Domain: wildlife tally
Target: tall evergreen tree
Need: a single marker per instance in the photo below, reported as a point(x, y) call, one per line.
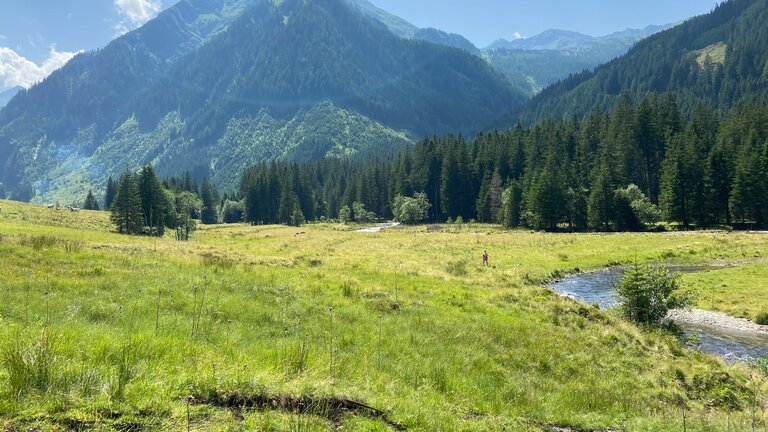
point(90, 202)
point(126, 208)
point(512, 205)
point(600, 202)
point(496, 191)
point(110, 193)
point(154, 205)
point(210, 214)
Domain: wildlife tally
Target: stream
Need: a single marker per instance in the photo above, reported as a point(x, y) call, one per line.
point(730, 343)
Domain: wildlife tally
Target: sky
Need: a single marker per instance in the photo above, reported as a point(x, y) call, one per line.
point(39, 36)
point(484, 21)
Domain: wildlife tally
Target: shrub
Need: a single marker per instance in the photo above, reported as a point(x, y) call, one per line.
point(232, 212)
point(362, 215)
point(762, 318)
point(411, 211)
point(647, 294)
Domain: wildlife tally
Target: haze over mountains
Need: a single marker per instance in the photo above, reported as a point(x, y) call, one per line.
point(214, 86)
point(7, 95)
point(719, 59)
point(531, 64)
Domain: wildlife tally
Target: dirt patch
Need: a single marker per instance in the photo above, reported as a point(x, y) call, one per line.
point(550, 428)
point(333, 409)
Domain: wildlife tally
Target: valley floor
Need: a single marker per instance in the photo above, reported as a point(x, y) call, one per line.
point(258, 328)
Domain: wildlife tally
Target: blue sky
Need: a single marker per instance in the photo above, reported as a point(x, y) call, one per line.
point(39, 36)
point(483, 21)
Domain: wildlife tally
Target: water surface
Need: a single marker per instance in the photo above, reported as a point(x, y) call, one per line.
point(598, 288)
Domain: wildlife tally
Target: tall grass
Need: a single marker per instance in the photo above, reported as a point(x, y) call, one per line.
point(416, 330)
point(30, 364)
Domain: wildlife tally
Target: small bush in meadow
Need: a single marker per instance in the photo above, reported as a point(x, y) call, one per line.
point(647, 294)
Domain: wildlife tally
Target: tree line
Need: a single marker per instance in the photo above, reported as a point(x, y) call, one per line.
point(624, 170)
point(627, 169)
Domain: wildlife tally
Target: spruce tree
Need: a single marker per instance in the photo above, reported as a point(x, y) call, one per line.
point(109, 195)
point(674, 199)
point(90, 202)
point(210, 214)
point(512, 202)
point(547, 202)
point(126, 208)
point(154, 205)
point(497, 189)
point(600, 202)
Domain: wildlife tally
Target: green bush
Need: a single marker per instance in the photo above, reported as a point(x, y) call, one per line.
point(762, 318)
point(647, 294)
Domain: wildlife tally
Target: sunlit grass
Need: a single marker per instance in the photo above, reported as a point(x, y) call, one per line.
point(739, 291)
point(107, 329)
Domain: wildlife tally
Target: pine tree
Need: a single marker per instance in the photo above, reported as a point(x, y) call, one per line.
point(484, 200)
point(675, 198)
point(111, 191)
point(600, 202)
point(497, 189)
point(126, 208)
point(512, 202)
point(749, 198)
point(546, 197)
point(90, 202)
point(210, 214)
point(154, 205)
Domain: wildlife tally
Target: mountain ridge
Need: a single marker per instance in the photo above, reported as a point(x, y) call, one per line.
point(300, 67)
point(719, 59)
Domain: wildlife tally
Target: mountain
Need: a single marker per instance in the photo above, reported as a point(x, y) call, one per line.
point(529, 64)
point(552, 39)
point(7, 95)
point(570, 41)
point(534, 63)
point(720, 59)
point(448, 39)
point(395, 24)
point(215, 87)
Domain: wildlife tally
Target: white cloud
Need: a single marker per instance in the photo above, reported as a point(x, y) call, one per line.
point(134, 13)
point(16, 70)
point(517, 36)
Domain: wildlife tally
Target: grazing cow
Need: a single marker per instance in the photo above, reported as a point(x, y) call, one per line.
point(74, 209)
point(50, 206)
point(299, 233)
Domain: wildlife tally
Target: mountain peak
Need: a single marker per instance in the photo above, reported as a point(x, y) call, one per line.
point(295, 78)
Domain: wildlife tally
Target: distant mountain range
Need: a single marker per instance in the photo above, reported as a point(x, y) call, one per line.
point(718, 59)
point(215, 87)
point(564, 40)
point(530, 64)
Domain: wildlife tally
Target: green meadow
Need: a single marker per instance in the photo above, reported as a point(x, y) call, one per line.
point(740, 291)
point(258, 328)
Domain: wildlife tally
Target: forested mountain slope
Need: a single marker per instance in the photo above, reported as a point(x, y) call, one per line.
point(720, 58)
point(260, 81)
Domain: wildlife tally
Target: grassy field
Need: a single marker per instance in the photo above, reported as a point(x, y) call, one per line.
point(739, 291)
point(267, 330)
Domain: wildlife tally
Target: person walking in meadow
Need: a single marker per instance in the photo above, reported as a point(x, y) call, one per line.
point(486, 261)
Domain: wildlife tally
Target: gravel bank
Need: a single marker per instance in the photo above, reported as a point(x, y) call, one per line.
point(716, 319)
